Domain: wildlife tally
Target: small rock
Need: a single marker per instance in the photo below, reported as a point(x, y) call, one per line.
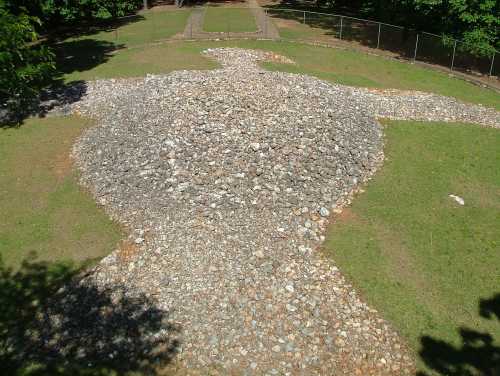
point(255, 146)
point(324, 212)
point(259, 254)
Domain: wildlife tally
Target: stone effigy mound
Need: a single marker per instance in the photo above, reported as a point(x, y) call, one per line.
point(226, 179)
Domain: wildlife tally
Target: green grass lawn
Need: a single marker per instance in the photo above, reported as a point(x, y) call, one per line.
point(235, 20)
point(416, 255)
point(291, 26)
point(144, 28)
point(84, 57)
point(137, 62)
point(298, 31)
point(44, 210)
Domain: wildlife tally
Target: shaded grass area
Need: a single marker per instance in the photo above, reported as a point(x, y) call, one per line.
point(235, 20)
point(291, 25)
point(137, 62)
point(326, 27)
point(334, 65)
point(424, 261)
point(76, 57)
point(143, 28)
point(298, 31)
point(44, 211)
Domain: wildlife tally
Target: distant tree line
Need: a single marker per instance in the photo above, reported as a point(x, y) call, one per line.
point(56, 13)
point(476, 22)
point(27, 66)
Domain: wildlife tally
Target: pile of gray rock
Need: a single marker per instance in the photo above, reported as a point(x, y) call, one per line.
point(227, 179)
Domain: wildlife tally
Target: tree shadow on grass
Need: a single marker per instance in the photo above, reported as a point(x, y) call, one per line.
point(72, 56)
point(478, 354)
point(91, 27)
point(55, 321)
point(78, 55)
point(79, 48)
point(400, 41)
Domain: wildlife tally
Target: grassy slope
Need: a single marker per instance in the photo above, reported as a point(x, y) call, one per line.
point(335, 65)
point(236, 20)
point(94, 56)
point(148, 27)
point(138, 62)
point(413, 252)
point(290, 26)
point(43, 208)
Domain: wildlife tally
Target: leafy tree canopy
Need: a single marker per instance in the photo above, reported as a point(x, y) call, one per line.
point(54, 13)
point(24, 67)
point(477, 22)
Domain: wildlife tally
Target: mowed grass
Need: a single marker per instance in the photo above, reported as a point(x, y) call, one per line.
point(143, 28)
point(300, 31)
point(235, 20)
point(97, 55)
point(413, 252)
point(334, 65)
point(44, 210)
point(291, 25)
point(138, 62)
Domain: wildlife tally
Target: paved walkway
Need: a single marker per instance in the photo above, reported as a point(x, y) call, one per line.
point(265, 27)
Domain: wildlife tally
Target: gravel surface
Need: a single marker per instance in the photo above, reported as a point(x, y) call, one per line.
point(227, 179)
point(414, 105)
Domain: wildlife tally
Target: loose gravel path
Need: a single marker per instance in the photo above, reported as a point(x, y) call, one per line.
point(227, 179)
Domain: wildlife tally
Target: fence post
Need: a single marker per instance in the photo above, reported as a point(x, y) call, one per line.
point(153, 26)
point(453, 57)
point(304, 18)
point(378, 37)
point(416, 48)
point(492, 62)
point(341, 22)
point(145, 4)
point(265, 23)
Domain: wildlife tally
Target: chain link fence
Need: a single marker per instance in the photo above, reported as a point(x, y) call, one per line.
point(420, 46)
